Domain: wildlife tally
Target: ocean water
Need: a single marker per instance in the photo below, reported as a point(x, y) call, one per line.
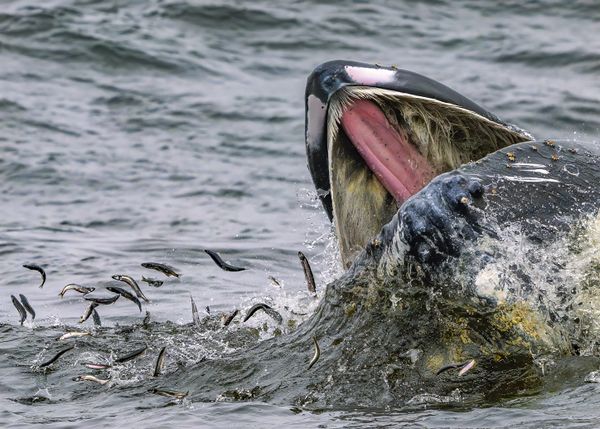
point(136, 131)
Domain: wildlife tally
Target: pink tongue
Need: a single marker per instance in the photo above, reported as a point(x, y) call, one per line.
point(398, 165)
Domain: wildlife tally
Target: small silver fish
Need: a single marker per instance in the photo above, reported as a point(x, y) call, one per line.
point(317, 354)
point(449, 367)
point(467, 367)
point(131, 282)
point(267, 309)
point(195, 315)
point(275, 281)
point(91, 378)
point(160, 362)
point(169, 393)
point(167, 270)
point(308, 274)
point(228, 318)
point(96, 318)
point(221, 263)
point(152, 282)
point(103, 301)
point(132, 355)
point(73, 334)
point(55, 358)
point(92, 365)
point(27, 306)
point(88, 312)
point(77, 288)
point(19, 308)
point(125, 295)
point(38, 269)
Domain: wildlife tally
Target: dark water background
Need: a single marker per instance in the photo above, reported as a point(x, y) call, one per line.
point(149, 130)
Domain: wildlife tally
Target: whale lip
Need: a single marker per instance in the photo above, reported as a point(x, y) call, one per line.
point(330, 77)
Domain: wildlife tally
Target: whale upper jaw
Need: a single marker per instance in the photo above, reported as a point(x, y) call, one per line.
point(376, 135)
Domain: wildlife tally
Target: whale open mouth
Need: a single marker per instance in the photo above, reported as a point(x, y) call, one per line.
point(384, 146)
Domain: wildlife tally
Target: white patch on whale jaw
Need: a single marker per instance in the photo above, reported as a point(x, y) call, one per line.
point(445, 134)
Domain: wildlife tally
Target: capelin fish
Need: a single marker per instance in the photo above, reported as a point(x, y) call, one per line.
point(103, 301)
point(131, 282)
point(125, 295)
point(91, 378)
point(275, 282)
point(88, 312)
point(267, 309)
point(160, 362)
point(152, 282)
point(76, 288)
point(169, 393)
point(317, 354)
point(74, 334)
point(227, 319)
point(207, 310)
point(19, 308)
point(167, 270)
point(308, 274)
point(195, 315)
point(466, 368)
point(449, 367)
point(92, 365)
point(131, 355)
point(38, 269)
point(221, 263)
point(27, 306)
point(96, 318)
point(55, 358)
point(146, 320)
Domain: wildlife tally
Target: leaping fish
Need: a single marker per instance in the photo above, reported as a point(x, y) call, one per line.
point(77, 288)
point(55, 358)
point(19, 308)
point(267, 309)
point(195, 315)
point(308, 274)
point(96, 317)
point(103, 301)
point(88, 312)
point(38, 269)
point(227, 319)
point(160, 362)
point(221, 263)
point(152, 282)
point(126, 295)
point(27, 306)
point(167, 270)
point(131, 282)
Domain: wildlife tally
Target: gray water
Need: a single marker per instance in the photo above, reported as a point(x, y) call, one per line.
point(135, 131)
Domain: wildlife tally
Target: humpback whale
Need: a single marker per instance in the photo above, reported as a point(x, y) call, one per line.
point(470, 253)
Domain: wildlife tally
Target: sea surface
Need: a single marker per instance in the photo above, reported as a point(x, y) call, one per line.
point(146, 131)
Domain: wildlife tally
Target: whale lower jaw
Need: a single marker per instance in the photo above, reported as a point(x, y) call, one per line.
point(384, 146)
